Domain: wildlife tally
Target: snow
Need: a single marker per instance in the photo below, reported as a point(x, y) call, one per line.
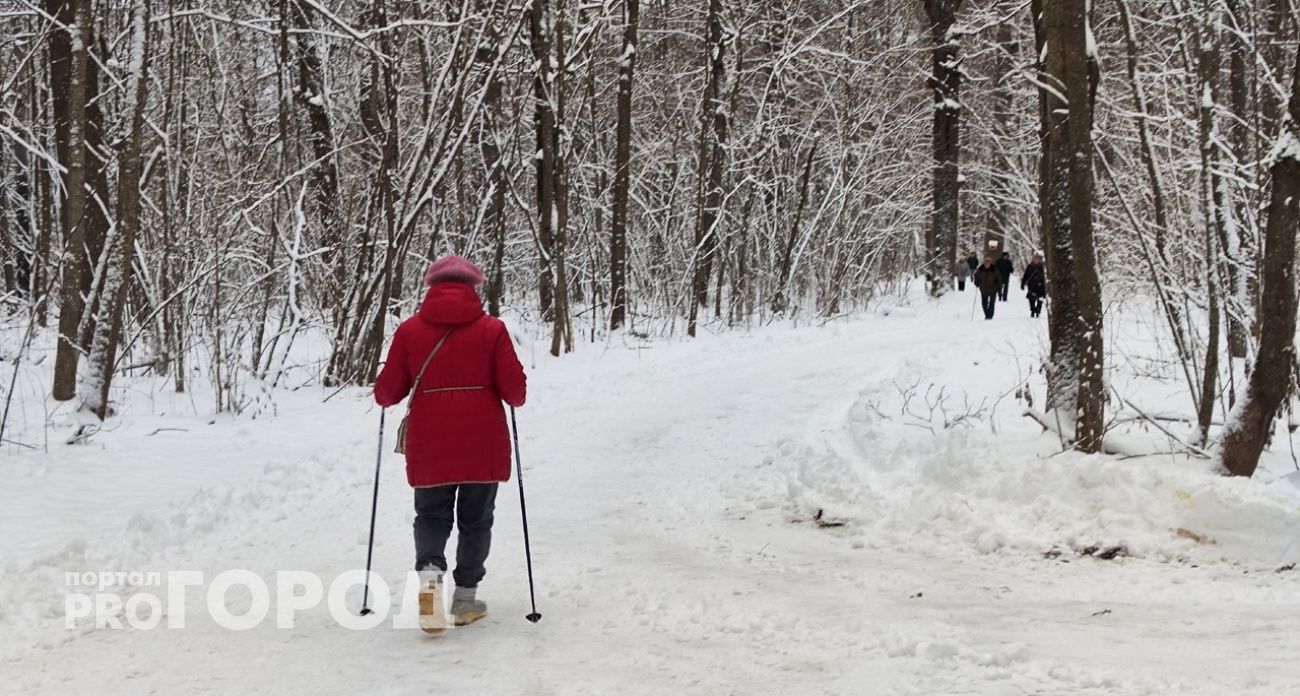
point(672, 488)
point(1286, 147)
point(947, 104)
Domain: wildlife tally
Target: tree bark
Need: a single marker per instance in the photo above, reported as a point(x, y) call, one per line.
point(1158, 199)
point(1080, 78)
point(715, 125)
point(540, 21)
point(311, 96)
point(108, 328)
point(561, 328)
point(78, 121)
point(1066, 102)
point(491, 133)
point(1251, 426)
point(1239, 236)
point(1054, 221)
point(1004, 115)
point(781, 300)
point(1216, 223)
point(945, 82)
point(622, 168)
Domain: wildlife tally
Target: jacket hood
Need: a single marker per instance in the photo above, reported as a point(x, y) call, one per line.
point(451, 303)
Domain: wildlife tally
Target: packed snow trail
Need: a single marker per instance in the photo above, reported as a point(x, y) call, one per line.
point(674, 552)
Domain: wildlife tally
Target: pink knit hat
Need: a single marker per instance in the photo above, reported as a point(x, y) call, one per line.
point(453, 269)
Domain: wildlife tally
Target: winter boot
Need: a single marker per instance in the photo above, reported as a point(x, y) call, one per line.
point(433, 618)
point(465, 609)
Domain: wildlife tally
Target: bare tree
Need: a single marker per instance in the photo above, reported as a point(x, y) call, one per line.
point(1239, 231)
point(1160, 264)
point(542, 24)
point(1054, 220)
point(491, 136)
point(108, 329)
point(945, 82)
point(622, 168)
point(74, 77)
point(311, 95)
point(1252, 423)
point(1003, 208)
point(1067, 96)
point(561, 326)
point(714, 132)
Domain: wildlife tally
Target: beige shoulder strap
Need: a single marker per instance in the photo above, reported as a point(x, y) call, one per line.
point(415, 388)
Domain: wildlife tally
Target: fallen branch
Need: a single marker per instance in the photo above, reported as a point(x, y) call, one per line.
point(1108, 446)
point(1059, 429)
point(1189, 448)
point(164, 430)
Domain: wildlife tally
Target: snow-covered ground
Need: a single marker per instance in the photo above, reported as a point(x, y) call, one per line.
point(672, 489)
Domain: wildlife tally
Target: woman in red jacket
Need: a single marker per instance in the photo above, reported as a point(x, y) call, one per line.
point(458, 365)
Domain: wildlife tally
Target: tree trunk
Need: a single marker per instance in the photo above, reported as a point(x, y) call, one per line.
point(562, 329)
point(1249, 429)
point(540, 21)
point(714, 130)
point(1212, 190)
point(945, 81)
point(491, 134)
point(311, 96)
point(1054, 221)
point(108, 328)
point(1278, 27)
point(1077, 346)
point(622, 168)
point(1005, 115)
point(1239, 239)
point(1080, 78)
point(16, 229)
point(41, 271)
point(1158, 200)
point(781, 300)
point(78, 132)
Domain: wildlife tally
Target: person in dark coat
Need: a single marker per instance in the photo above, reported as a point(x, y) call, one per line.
point(1005, 268)
point(989, 282)
point(972, 262)
point(457, 364)
point(1034, 280)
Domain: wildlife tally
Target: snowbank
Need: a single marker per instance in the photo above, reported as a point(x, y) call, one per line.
point(1017, 491)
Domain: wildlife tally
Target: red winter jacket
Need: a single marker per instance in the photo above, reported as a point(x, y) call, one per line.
point(458, 435)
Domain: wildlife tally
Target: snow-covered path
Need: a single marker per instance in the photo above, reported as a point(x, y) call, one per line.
point(668, 493)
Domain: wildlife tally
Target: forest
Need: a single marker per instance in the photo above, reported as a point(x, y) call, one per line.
point(189, 187)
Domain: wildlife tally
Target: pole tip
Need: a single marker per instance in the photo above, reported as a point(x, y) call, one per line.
point(534, 617)
point(365, 611)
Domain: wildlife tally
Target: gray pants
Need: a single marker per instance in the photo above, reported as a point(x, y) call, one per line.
point(472, 504)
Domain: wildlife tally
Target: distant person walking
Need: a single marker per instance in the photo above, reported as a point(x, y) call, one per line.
point(962, 271)
point(1034, 280)
point(972, 262)
point(989, 282)
point(1005, 268)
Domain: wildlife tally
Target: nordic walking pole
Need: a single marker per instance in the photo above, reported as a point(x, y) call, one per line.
point(523, 511)
point(974, 296)
point(374, 508)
